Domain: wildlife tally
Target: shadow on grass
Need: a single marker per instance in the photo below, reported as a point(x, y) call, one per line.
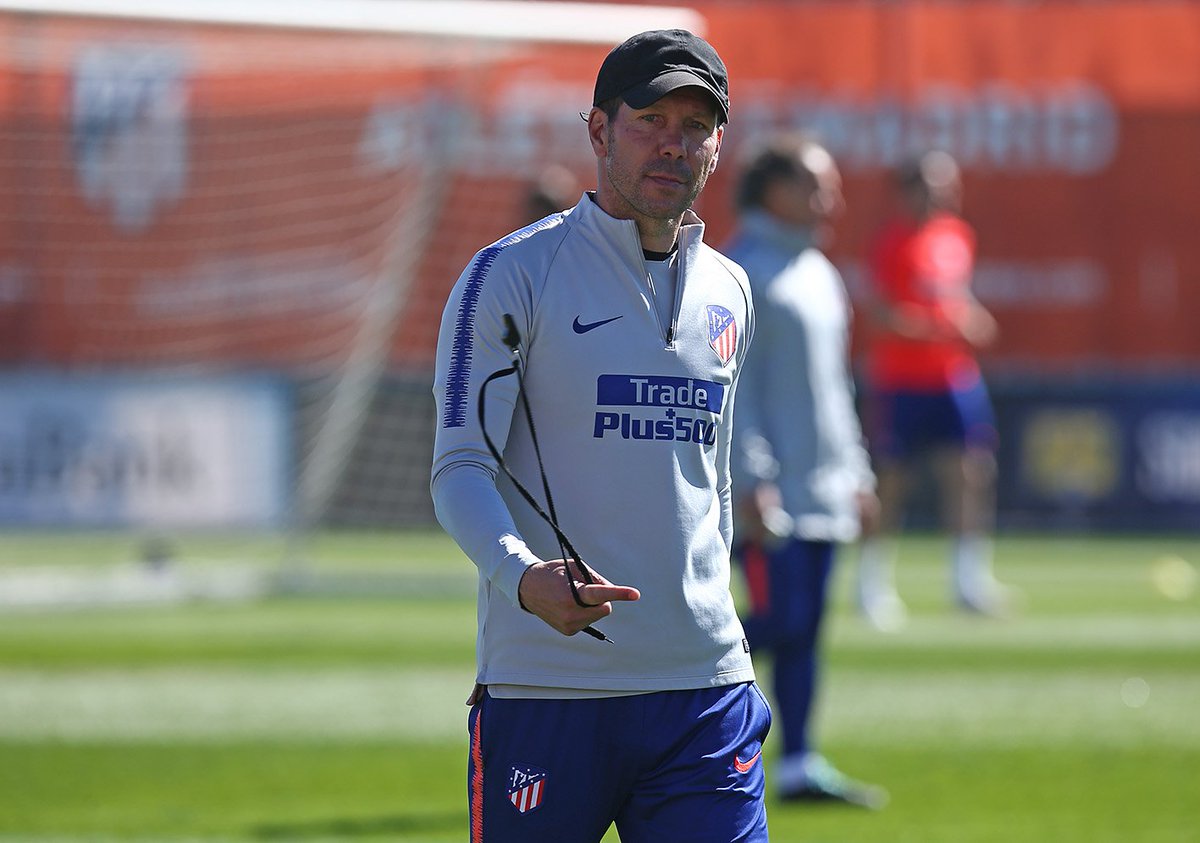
point(361, 826)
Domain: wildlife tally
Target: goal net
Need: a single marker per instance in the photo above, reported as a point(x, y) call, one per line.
point(227, 231)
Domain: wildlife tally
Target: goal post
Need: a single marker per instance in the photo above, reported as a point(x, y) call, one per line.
point(227, 230)
point(518, 21)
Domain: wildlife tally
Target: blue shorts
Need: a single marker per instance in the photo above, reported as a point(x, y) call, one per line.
point(670, 765)
point(908, 423)
point(787, 588)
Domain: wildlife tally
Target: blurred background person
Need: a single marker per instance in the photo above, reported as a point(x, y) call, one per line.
point(803, 482)
point(553, 189)
point(929, 400)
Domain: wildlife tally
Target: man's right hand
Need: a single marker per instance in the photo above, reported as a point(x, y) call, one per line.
point(762, 518)
point(545, 592)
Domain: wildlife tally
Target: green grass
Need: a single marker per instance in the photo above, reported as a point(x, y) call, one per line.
point(308, 718)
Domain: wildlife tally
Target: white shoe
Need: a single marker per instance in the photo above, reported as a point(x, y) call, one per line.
point(989, 598)
point(818, 781)
point(884, 611)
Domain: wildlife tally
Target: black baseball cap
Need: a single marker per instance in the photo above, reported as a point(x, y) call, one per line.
point(650, 65)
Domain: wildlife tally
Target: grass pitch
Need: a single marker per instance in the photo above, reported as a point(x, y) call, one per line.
point(311, 718)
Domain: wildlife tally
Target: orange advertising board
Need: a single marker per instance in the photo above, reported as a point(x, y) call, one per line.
point(1077, 126)
point(180, 194)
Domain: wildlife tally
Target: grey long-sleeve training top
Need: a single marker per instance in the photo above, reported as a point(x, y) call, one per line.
point(633, 417)
point(796, 424)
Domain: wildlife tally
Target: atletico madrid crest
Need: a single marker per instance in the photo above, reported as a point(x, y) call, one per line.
point(526, 787)
point(722, 332)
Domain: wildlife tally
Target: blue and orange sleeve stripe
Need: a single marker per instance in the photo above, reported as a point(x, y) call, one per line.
point(475, 785)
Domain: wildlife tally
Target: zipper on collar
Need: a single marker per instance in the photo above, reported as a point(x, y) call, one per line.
point(672, 326)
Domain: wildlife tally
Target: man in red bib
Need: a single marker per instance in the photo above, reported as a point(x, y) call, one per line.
point(929, 398)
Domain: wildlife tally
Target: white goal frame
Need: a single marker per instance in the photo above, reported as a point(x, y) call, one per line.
point(503, 20)
point(358, 378)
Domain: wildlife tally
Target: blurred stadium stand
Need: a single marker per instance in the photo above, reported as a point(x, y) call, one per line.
point(211, 207)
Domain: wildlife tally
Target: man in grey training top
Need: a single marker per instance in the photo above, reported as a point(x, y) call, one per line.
point(631, 331)
point(802, 477)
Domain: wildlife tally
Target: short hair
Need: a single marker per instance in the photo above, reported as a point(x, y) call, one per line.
point(931, 169)
point(550, 191)
point(784, 156)
point(610, 107)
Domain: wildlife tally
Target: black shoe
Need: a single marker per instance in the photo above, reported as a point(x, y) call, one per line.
point(824, 783)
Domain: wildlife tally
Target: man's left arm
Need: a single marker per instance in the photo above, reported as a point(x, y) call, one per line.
point(729, 456)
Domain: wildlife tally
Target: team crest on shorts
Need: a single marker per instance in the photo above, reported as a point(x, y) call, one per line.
point(722, 332)
point(526, 787)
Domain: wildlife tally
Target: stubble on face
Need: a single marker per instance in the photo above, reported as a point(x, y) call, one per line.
point(628, 179)
point(652, 186)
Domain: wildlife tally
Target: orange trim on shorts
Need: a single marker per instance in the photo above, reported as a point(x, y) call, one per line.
point(758, 578)
point(477, 779)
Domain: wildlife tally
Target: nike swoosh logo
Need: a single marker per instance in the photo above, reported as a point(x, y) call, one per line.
point(745, 766)
point(584, 327)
